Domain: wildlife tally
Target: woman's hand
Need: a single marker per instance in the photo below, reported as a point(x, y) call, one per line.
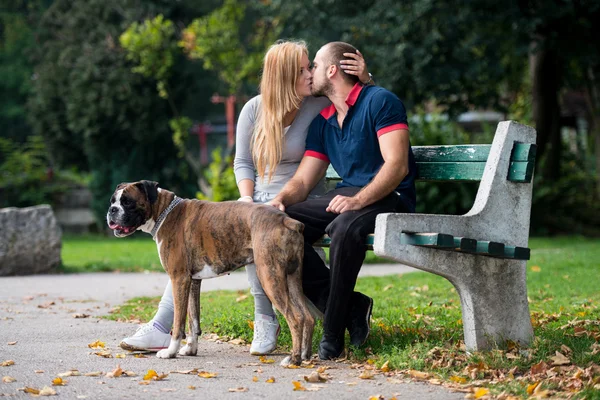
point(356, 65)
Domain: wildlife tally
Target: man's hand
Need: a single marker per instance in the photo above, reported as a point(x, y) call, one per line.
point(277, 204)
point(340, 204)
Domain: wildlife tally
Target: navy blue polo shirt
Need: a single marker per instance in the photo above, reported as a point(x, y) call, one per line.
point(354, 150)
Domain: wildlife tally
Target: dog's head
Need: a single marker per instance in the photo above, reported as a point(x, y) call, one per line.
point(131, 206)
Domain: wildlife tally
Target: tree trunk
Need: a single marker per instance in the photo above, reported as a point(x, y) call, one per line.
point(546, 110)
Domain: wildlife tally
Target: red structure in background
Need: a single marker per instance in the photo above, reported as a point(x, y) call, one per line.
point(201, 130)
point(229, 114)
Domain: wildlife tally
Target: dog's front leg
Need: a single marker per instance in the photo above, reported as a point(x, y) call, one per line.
point(191, 348)
point(181, 290)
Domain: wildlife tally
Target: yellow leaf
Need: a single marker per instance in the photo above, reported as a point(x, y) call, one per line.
point(58, 382)
point(255, 379)
point(7, 363)
point(370, 361)
point(388, 287)
point(377, 397)
point(115, 373)
point(96, 345)
point(536, 268)
point(105, 354)
point(150, 374)
point(266, 360)
point(251, 324)
point(139, 355)
point(418, 374)
point(8, 379)
point(120, 355)
point(298, 386)
point(192, 387)
point(271, 380)
point(204, 374)
point(458, 379)
point(531, 388)
point(241, 298)
point(385, 367)
point(479, 393)
point(31, 390)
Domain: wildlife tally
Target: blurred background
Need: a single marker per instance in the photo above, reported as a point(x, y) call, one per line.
point(98, 92)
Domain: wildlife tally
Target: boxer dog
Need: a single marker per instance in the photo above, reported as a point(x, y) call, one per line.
point(200, 240)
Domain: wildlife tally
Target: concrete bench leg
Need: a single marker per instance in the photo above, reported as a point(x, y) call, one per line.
point(493, 298)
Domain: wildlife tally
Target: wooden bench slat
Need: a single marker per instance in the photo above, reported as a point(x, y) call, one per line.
point(485, 247)
point(521, 171)
point(465, 244)
point(523, 152)
point(517, 253)
point(457, 153)
point(450, 171)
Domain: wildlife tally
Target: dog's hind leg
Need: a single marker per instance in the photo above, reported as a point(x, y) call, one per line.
point(273, 279)
point(295, 287)
point(191, 347)
point(181, 290)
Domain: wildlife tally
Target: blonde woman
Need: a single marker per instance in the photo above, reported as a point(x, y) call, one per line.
point(270, 142)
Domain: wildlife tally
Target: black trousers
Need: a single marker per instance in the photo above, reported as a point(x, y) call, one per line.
point(331, 289)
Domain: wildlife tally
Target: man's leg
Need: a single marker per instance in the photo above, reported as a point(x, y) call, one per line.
point(347, 252)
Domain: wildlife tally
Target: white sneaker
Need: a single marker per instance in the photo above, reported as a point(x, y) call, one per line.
point(146, 338)
point(266, 330)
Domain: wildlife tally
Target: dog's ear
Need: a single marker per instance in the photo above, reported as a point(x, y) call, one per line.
point(150, 188)
point(121, 185)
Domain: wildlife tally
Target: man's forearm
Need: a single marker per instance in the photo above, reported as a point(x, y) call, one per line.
point(387, 179)
point(293, 192)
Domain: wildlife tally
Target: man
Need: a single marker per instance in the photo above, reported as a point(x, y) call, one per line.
point(364, 135)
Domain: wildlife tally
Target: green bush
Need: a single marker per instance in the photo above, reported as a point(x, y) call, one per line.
point(26, 175)
point(221, 179)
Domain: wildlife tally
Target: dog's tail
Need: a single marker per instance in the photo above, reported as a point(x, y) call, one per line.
point(293, 224)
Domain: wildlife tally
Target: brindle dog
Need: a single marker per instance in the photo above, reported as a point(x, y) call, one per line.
point(200, 240)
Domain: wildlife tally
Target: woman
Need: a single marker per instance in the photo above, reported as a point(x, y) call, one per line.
point(270, 137)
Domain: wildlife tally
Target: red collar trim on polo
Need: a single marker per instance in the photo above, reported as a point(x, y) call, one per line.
point(353, 95)
point(328, 111)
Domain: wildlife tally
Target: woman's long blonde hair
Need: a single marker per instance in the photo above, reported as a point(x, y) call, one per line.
point(281, 69)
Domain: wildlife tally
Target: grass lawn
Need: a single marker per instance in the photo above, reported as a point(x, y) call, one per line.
point(137, 253)
point(417, 327)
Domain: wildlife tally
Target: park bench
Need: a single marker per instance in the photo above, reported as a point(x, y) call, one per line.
point(482, 253)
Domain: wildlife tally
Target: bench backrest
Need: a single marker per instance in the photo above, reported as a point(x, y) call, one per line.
point(465, 163)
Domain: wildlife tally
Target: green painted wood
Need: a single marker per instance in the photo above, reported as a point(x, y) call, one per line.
point(485, 247)
point(325, 241)
point(437, 240)
point(465, 244)
point(450, 171)
point(456, 153)
point(517, 253)
point(521, 171)
point(524, 152)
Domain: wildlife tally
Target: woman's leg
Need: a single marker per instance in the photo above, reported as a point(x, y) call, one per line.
point(154, 335)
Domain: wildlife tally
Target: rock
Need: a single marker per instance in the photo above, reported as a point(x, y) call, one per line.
point(30, 240)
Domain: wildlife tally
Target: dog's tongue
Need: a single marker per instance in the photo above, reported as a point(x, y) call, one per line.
point(112, 225)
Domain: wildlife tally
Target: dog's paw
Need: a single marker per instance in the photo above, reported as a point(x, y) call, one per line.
point(165, 353)
point(286, 362)
point(188, 350)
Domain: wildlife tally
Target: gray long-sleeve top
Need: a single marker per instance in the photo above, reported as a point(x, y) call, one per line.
point(295, 139)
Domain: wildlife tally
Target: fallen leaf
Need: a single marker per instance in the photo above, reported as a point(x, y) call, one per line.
point(143, 382)
point(385, 367)
point(480, 392)
point(7, 363)
point(192, 387)
point(12, 343)
point(316, 377)
point(418, 374)
point(39, 371)
point(271, 379)
point(560, 359)
point(72, 372)
point(47, 391)
point(115, 373)
point(31, 390)
point(96, 345)
point(255, 379)
point(251, 324)
point(8, 379)
point(539, 368)
point(129, 373)
point(150, 374)
point(377, 397)
point(566, 349)
point(239, 389)
point(241, 298)
point(104, 354)
point(47, 304)
point(388, 287)
point(139, 355)
point(168, 390)
point(96, 373)
point(366, 375)
point(531, 388)
point(80, 315)
point(120, 355)
point(458, 379)
point(58, 382)
point(538, 393)
point(186, 372)
point(535, 268)
point(266, 360)
point(238, 341)
point(298, 386)
point(204, 374)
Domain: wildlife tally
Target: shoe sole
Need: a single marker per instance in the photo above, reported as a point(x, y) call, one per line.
point(126, 346)
point(368, 323)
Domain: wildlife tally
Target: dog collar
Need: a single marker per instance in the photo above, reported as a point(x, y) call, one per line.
point(164, 214)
